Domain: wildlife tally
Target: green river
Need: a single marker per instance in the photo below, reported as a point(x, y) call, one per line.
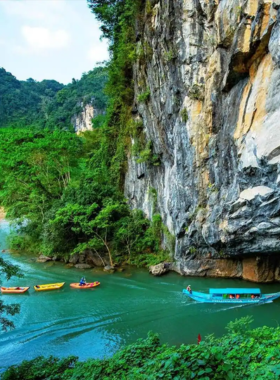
point(96, 322)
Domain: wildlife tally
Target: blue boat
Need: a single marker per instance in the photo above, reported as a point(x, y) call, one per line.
point(232, 295)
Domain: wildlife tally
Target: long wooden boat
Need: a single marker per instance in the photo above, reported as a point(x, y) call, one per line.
point(232, 295)
point(42, 288)
point(88, 285)
point(14, 289)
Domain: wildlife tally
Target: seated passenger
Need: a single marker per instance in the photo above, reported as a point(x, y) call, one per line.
point(82, 281)
point(252, 296)
point(237, 296)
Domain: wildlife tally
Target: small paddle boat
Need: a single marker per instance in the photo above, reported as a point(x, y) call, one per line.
point(87, 285)
point(42, 288)
point(232, 295)
point(17, 289)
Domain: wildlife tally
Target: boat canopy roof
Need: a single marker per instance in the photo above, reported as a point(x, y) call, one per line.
point(235, 291)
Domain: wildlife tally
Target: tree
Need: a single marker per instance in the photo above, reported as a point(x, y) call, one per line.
point(131, 232)
point(95, 224)
point(8, 270)
point(105, 224)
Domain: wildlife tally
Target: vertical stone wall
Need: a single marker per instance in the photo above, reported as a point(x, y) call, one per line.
point(212, 121)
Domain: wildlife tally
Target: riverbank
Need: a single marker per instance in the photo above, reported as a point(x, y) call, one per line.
point(258, 269)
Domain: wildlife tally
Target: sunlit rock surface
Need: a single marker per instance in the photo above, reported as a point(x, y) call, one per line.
point(82, 122)
point(160, 269)
point(213, 121)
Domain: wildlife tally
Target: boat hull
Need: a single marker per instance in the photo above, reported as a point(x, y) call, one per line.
point(46, 287)
point(14, 290)
point(206, 298)
point(76, 285)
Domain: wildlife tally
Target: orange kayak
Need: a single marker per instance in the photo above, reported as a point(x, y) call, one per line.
point(88, 285)
point(14, 289)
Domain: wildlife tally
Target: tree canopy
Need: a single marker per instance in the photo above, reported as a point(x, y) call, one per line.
point(49, 104)
point(58, 187)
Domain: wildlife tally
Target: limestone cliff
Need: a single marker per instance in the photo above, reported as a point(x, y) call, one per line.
point(83, 121)
point(207, 92)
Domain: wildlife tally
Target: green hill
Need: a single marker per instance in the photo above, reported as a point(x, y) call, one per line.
point(48, 104)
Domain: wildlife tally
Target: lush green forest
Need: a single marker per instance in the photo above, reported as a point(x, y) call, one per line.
point(66, 192)
point(22, 103)
point(48, 104)
point(59, 190)
point(240, 354)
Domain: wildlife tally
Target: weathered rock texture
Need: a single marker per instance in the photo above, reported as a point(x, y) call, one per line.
point(83, 121)
point(90, 258)
point(160, 269)
point(213, 119)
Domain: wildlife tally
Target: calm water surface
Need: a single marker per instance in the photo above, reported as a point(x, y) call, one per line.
point(94, 323)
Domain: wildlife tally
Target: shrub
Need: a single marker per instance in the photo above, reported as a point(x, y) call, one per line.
point(240, 354)
point(184, 115)
point(144, 96)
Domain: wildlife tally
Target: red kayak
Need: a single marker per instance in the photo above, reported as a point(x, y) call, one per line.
point(88, 285)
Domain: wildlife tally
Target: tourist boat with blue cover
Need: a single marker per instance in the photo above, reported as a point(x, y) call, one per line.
point(232, 295)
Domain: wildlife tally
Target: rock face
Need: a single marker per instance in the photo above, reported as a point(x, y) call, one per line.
point(210, 70)
point(82, 266)
point(83, 121)
point(43, 259)
point(158, 270)
point(90, 258)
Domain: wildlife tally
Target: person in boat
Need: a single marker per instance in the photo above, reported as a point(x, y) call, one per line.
point(82, 281)
point(189, 289)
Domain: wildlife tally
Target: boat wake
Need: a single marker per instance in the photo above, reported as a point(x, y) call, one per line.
point(241, 306)
point(231, 307)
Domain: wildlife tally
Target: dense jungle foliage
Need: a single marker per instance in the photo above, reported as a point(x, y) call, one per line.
point(58, 189)
point(240, 354)
point(48, 104)
point(66, 192)
point(22, 102)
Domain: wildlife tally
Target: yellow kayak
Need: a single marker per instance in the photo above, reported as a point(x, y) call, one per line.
point(42, 288)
